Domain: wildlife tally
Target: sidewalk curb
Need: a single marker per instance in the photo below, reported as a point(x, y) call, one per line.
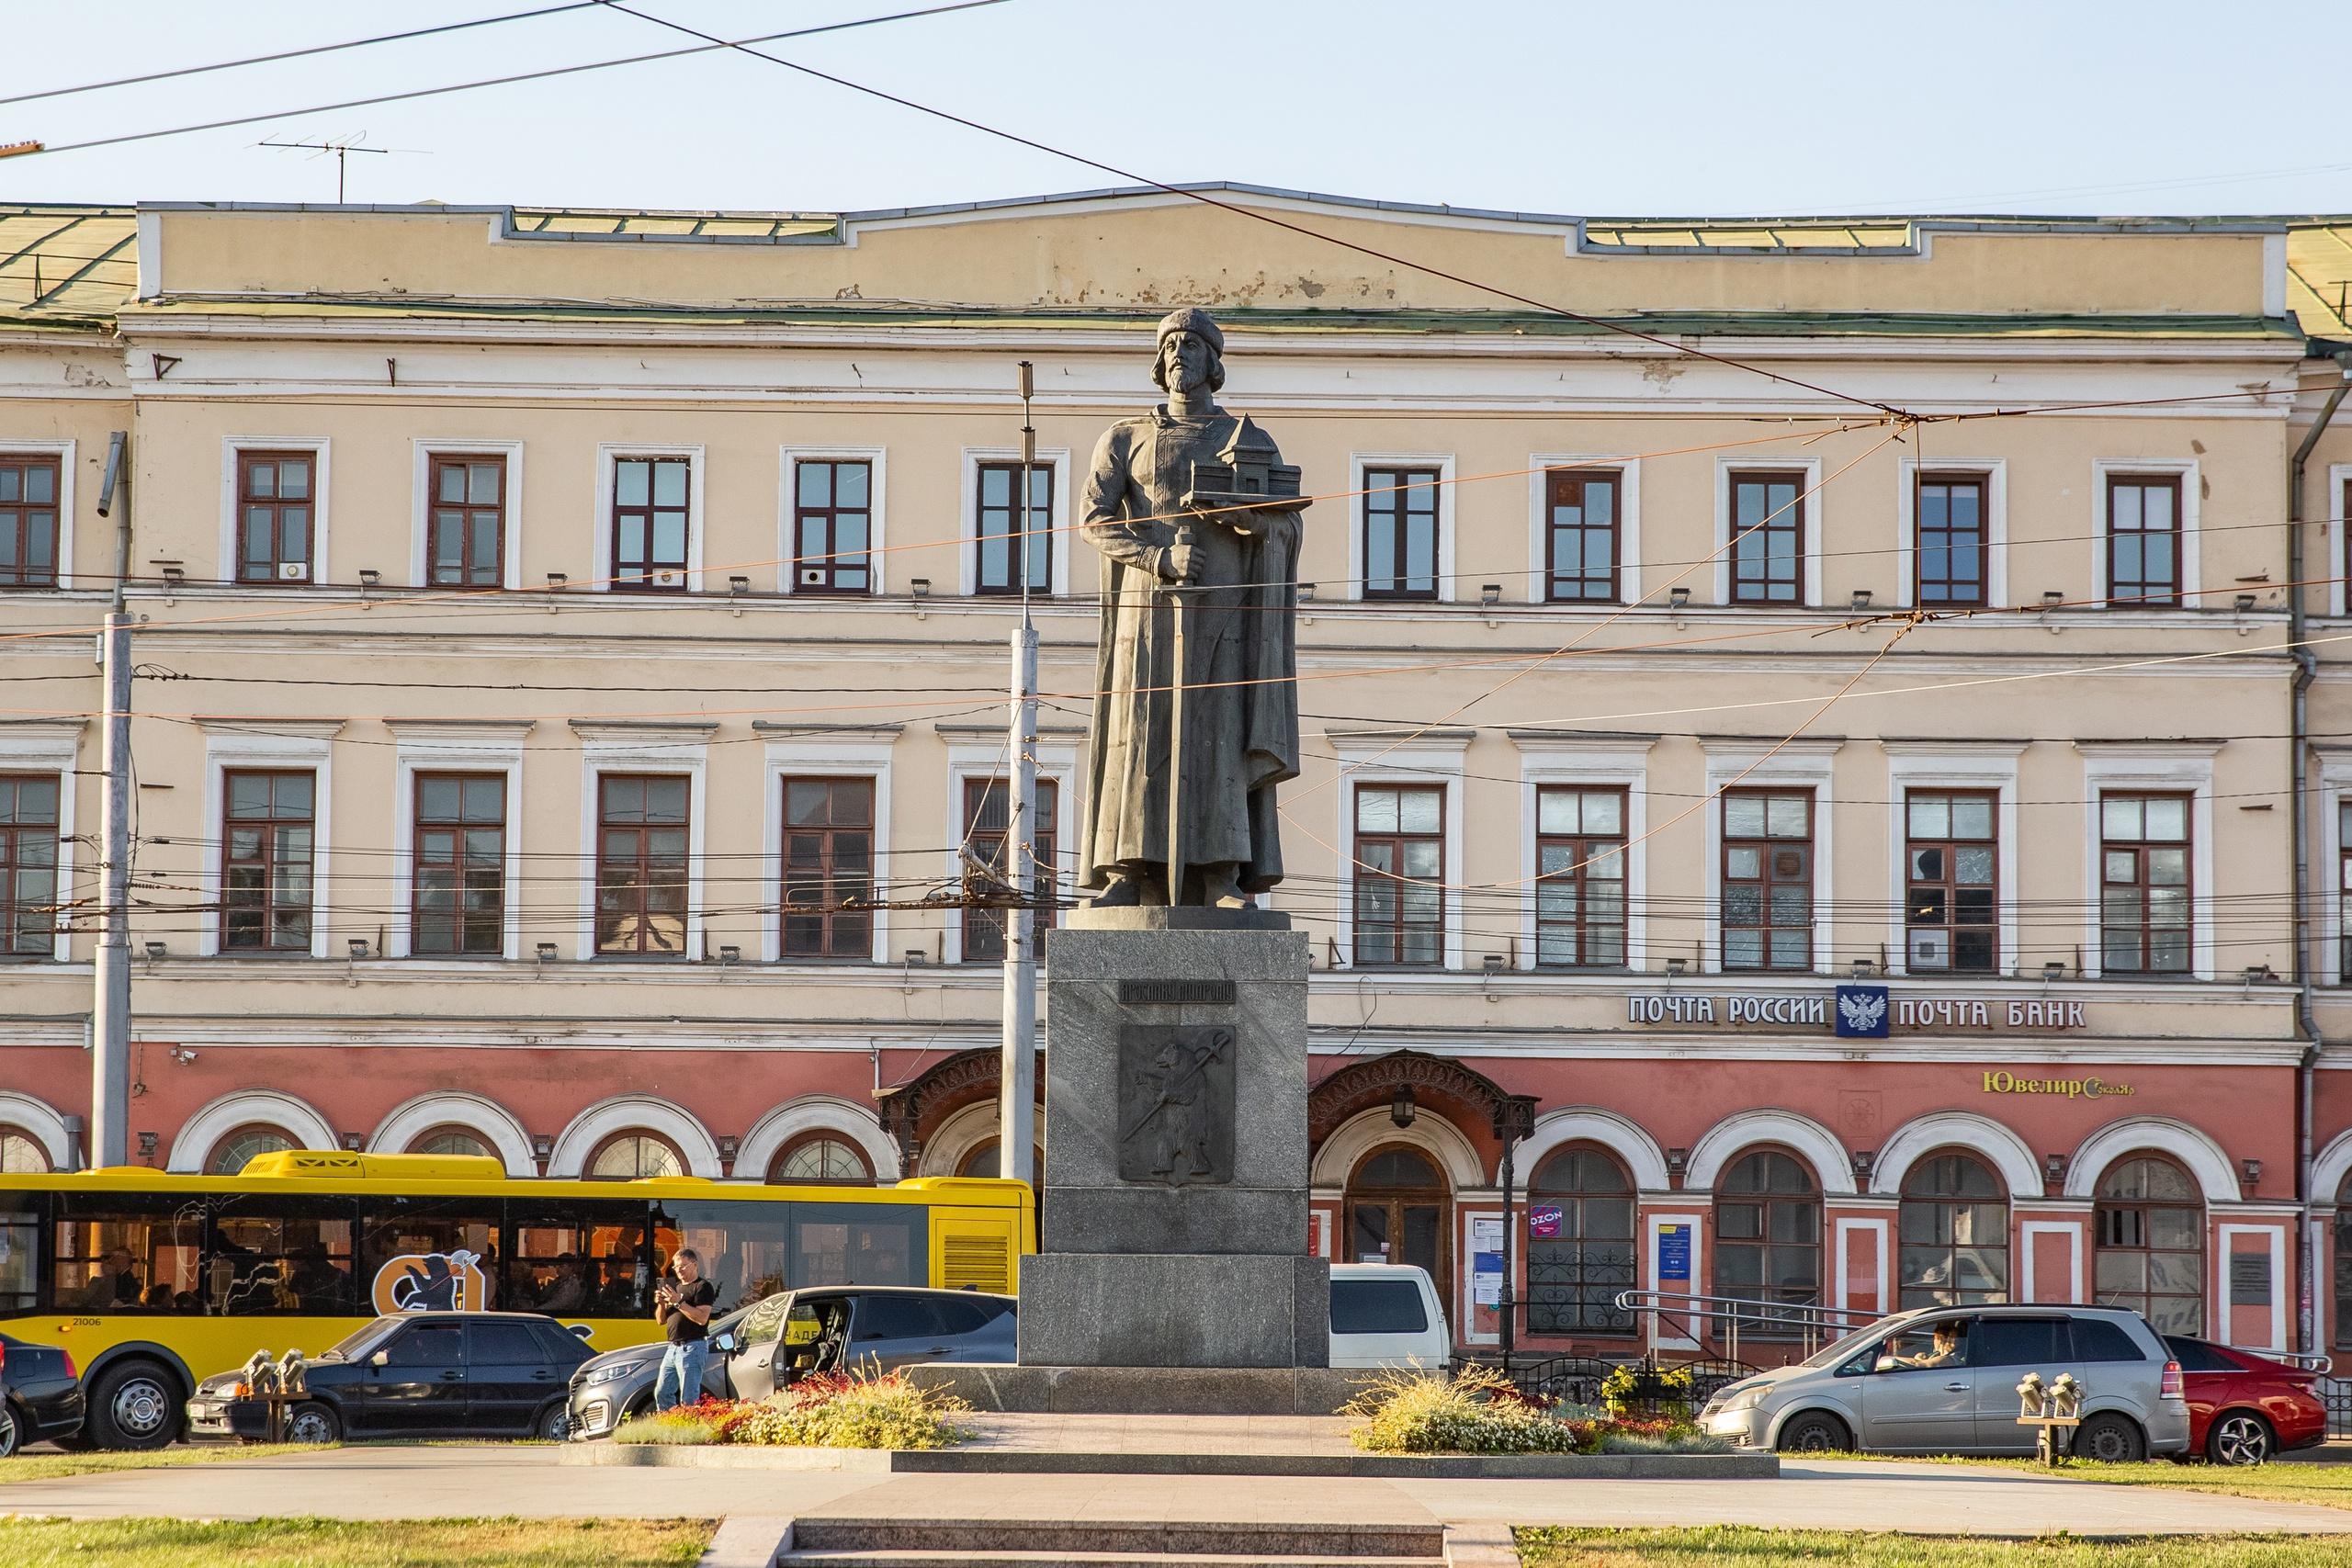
point(1037, 1462)
point(748, 1541)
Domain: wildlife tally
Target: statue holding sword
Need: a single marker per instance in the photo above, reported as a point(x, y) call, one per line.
point(1195, 715)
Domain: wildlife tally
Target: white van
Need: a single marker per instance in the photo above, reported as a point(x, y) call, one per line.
point(1387, 1314)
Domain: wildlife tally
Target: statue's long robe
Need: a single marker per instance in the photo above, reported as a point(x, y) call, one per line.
point(1241, 663)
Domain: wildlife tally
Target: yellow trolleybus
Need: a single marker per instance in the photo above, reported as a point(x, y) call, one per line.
point(151, 1282)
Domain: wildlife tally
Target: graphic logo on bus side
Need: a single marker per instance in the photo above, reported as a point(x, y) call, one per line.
point(432, 1281)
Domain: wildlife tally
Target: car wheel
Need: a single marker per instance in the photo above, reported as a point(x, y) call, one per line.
point(554, 1423)
point(11, 1434)
point(1815, 1432)
point(134, 1404)
point(312, 1422)
point(2239, 1437)
point(2109, 1439)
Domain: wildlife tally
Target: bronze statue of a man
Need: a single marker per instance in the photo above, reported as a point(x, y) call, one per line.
point(1190, 562)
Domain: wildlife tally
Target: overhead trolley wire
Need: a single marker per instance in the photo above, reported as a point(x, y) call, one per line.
point(131, 136)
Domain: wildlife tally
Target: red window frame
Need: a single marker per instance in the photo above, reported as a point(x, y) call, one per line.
point(1582, 521)
point(30, 526)
point(478, 561)
point(457, 903)
point(1399, 913)
point(2131, 583)
point(1569, 935)
point(994, 530)
point(1767, 540)
point(1404, 519)
point(821, 562)
point(260, 911)
point(1952, 554)
point(986, 809)
point(642, 864)
point(290, 523)
point(638, 564)
point(2141, 876)
point(828, 857)
point(28, 845)
point(1759, 862)
point(1939, 897)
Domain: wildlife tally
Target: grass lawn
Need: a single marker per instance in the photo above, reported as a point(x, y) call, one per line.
point(1741, 1546)
point(2329, 1484)
point(46, 1466)
point(335, 1543)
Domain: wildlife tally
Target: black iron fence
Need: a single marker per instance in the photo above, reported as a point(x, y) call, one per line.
point(2337, 1393)
point(1652, 1387)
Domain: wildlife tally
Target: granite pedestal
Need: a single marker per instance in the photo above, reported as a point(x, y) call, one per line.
point(1173, 1211)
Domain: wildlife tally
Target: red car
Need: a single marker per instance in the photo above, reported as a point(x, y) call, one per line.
point(2245, 1408)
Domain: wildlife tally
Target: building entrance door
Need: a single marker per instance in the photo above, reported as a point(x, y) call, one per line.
point(1399, 1210)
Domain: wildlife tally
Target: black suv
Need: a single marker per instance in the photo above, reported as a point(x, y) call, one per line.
point(40, 1395)
point(492, 1374)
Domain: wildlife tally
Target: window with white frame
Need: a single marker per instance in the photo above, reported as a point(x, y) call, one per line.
point(2149, 866)
point(832, 520)
point(1003, 537)
point(467, 514)
point(36, 514)
point(30, 814)
point(1768, 854)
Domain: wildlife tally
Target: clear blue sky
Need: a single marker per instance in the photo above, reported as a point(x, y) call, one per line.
point(1802, 106)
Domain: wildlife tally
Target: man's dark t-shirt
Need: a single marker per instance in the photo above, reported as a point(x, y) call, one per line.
point(682, 1329)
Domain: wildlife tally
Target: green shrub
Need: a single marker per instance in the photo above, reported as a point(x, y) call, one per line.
point(1477, 1411)
point(1681, 1441)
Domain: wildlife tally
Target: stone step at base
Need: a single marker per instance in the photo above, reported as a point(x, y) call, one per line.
point(1077, 1559)
point(839, 1540)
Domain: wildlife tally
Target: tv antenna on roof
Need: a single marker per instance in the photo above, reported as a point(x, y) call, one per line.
point(341, 147)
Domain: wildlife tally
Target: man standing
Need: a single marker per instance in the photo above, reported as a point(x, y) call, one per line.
point(1237, 569)
point(682, 1309)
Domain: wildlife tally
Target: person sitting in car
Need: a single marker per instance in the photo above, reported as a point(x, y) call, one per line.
point(1946, 1351)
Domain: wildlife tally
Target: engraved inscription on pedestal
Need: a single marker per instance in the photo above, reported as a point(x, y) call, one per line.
point(1176, 1103)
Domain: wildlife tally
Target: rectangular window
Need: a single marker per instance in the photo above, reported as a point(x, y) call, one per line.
point(1767, 879)
point(266, 847)
point(276, 501)
point(460, 873)
point(466, 524)
point(123, 1252)
point(1767, 538)
point(1949, 889)
point(1951, 547)
point(2344, 922)
point(995, 528)
point(987, 809)
point(1581, 877)
point(641, 865)
point(29, 520)
point(1401, 874)
point(1400, 523)
point(1581, 535)
point(828, 858)
point(651, 511)
point(2143, 883)
point(2142, 540)
point(28, 804)
point(578, 1256)
point(289, 1255)
point(833, 524)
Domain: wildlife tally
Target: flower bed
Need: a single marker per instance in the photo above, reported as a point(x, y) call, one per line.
point(1477, 1411)
point(829, 1411)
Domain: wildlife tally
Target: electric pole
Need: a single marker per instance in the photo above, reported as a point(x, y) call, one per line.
point(1017, 1073)
point(110, 1007)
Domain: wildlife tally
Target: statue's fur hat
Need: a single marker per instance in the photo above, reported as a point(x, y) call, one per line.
point(1200, 323)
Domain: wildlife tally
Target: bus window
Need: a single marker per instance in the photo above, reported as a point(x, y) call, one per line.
point(19, 1260)
point(280, 1255)
point(428, 1254)
point(121, 1252)
point(745, 1245)
point(585, 1256)
point(859, 1244)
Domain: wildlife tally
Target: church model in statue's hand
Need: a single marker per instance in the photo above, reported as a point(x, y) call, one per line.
point(1197, 704)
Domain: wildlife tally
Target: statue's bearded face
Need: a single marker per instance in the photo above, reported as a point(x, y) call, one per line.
point(1184, 361)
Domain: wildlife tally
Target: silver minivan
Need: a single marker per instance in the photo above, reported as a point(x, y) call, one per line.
point(1944, 1380)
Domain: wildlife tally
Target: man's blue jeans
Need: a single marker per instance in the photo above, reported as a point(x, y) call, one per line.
point(680, 1380)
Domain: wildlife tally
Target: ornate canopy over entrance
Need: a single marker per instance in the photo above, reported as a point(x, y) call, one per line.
point(912, 1112)
point(1462, 1094)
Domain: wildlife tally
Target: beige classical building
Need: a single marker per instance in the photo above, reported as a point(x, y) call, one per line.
point(549, 620)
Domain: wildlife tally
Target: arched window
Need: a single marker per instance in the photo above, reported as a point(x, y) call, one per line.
point(2344, 1265)
point(2151, 1251)
point(229, 1155)
point(625, 1156)
point(1580, 1245)
point(981, 1159)
point(1955, 1226)
point(1768, 1238)
point(21, 1152)
point(822, 1157)
point(450, 1141)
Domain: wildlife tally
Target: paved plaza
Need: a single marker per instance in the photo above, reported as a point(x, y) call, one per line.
point(443, 1482)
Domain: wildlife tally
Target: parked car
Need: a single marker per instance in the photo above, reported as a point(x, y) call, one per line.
point(2245, 1408)
point(41, 1395)
point(1387, 1314)
point(434, 1375)
point(772, 1343)
point(1942, 1380)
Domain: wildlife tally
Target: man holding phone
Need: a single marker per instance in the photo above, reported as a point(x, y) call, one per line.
point(681, 1304)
